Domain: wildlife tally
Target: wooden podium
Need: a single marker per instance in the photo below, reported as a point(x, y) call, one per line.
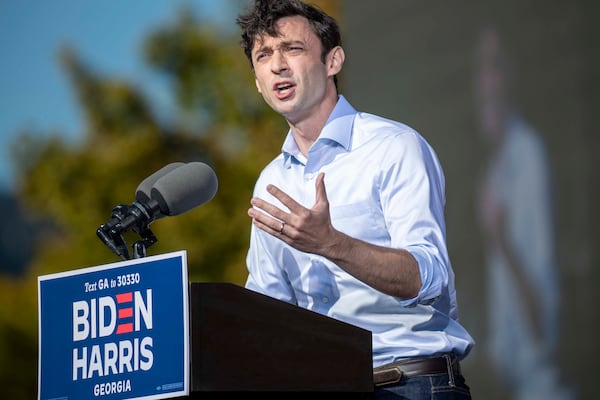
point(241, 340)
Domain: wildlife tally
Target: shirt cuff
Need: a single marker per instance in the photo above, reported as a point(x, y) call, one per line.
point(434, 276)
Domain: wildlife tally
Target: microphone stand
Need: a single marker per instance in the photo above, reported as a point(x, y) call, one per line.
point(111, 234)
point(147, 240)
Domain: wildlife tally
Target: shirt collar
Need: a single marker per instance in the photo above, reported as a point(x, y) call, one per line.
point(338, 128)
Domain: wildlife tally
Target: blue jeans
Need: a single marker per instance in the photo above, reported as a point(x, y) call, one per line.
point(426, 387)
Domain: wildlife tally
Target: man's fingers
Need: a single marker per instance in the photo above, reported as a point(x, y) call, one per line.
point(286, 200)
point(321, 193)
point(268, 208)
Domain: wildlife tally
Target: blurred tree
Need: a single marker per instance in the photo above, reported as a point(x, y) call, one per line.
point(75, 188)
point(69, 190)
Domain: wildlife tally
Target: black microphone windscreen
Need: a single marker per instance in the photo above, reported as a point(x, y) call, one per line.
point(143, 191)
point(184, 188)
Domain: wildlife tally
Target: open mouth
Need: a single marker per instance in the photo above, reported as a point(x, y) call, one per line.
point(283, 89)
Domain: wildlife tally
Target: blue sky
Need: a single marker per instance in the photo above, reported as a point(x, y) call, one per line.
point(108, 34)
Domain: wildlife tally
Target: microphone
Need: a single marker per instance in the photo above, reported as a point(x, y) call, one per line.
point(187, 187)
point(178, 191)
point(172, 190)
point(142, 193)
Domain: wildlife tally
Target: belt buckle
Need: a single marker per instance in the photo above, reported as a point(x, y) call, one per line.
point(388, 376)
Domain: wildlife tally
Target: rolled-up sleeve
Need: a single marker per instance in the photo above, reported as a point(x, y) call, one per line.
point(413, 199)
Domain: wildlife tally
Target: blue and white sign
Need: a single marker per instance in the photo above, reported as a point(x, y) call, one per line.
point(115, 331)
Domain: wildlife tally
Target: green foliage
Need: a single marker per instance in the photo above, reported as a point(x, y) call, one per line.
point(74, 188)
point(71, 189)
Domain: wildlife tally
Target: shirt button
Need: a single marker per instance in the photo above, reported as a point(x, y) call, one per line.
point(325, 300)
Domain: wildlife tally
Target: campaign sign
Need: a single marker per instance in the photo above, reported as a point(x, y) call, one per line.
point(115, 331)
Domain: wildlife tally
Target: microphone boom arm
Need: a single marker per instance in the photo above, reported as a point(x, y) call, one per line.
point(111, 234)
point(147, 240)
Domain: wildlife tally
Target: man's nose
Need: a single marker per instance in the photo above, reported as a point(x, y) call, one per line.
point(279, 62)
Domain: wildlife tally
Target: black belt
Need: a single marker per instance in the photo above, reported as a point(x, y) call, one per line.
point(393, 372)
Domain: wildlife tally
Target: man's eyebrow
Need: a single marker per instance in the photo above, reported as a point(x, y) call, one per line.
point(284, 43)
point(287, 43)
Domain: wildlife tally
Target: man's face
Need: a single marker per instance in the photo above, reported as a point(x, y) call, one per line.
point(289, 71)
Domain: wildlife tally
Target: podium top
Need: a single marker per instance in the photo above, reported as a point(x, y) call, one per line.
point(246, 341)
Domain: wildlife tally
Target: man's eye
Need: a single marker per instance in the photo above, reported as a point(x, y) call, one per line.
point(261, 56)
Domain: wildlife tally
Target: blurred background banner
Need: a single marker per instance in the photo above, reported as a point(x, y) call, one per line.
point(98, 95)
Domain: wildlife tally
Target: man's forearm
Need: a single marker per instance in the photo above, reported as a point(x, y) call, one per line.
point(391, 271)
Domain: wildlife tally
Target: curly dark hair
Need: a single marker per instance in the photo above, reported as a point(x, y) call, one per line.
point(261, 19)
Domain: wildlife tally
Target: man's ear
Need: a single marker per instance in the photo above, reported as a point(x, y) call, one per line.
point(335, 60)
point(257, 85)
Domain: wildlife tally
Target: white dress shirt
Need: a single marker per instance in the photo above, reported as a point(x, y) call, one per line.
point(385, 186)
